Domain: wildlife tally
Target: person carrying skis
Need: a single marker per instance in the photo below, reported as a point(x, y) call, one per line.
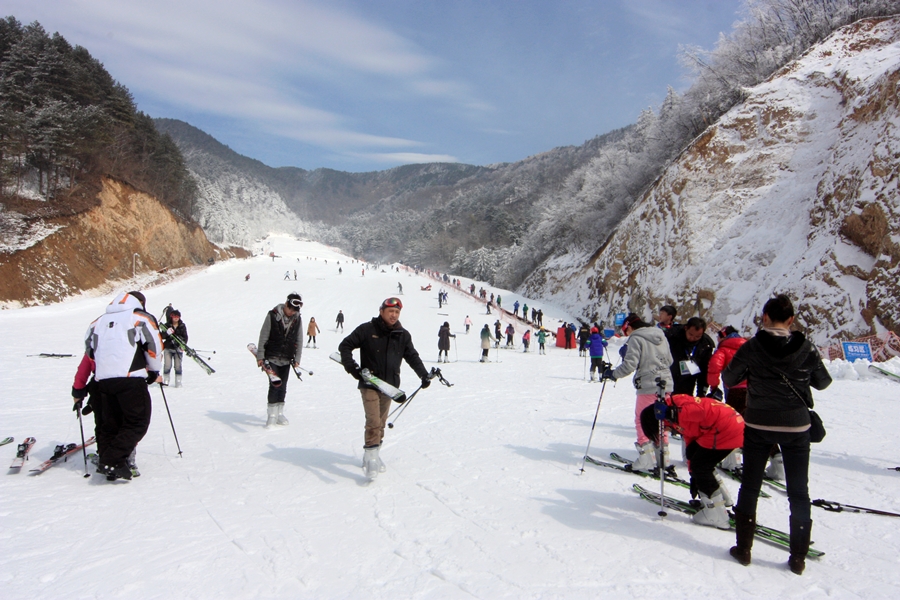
point(383, 344)
point(172, 352)
point(486, 339)
point(444, 336)
point(648, 357)
point(311, 330)
point(780, 367)
point(281, 344)
point(339, 321)
point(595, 345)
point(125, 346)
point(710, 431)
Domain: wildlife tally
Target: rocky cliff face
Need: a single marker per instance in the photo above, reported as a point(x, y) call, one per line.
point(795, 190)
point(86, 250)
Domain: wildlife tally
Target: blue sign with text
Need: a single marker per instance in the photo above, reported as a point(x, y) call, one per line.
point(853, 351)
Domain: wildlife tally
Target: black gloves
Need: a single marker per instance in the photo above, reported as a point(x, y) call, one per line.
point(77, 405)
point(426, 381)
point(356, 373)
point(152, 376)
point(607, 374)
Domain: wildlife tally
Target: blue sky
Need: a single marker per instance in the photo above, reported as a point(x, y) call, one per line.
point(362, 86)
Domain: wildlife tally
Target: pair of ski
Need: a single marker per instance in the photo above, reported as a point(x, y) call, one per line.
point(61, 452)
point(768, 534)
point(269, 370)
point(192, 353)
point(395, 393)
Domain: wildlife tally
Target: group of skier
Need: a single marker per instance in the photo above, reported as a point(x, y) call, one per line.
point(763, 404)
point(768, 379)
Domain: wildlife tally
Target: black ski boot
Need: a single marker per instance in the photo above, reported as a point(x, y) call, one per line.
point(745, 526)
point(800, 534)
point(113, 473)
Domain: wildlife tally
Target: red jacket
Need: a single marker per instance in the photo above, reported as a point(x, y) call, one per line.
point(720, 359)
point(712, 424)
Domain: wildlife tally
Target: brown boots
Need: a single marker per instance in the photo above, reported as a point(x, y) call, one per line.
point(745, 526)
point(800, 532)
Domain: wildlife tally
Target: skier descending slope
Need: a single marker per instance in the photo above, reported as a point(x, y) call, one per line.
point(383, 343)
point(281, 344)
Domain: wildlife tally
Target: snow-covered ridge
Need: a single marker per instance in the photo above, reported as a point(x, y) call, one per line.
point(794, 190)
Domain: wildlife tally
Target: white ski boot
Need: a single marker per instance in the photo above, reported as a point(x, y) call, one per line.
point(280, 419)
point(729, 501)
point(775, 470)
point(271, 415)
point(647, 460)
point(732, 461)
point(165, 379)
point(713, 513)
point(177, 380)
point(370, 462)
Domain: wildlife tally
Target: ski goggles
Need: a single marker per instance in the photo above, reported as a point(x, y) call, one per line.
point(295, 303)
point(392, 303)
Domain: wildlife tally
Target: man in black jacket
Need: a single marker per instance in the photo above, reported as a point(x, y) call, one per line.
point(780, 366)
point(691, 350)
point(383, 344)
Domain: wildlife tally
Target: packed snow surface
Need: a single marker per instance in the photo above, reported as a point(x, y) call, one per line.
point(482, 498)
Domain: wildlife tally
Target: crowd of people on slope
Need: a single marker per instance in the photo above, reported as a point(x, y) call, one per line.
point(741, 403)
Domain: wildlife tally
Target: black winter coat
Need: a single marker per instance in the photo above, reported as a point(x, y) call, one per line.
point(765, 361)
point(381, 350)
point(683, 350)
point(180, 331)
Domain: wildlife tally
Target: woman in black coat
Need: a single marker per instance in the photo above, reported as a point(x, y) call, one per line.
point(780, 366)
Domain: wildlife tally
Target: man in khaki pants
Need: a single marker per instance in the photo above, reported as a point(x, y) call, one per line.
point(383, 343)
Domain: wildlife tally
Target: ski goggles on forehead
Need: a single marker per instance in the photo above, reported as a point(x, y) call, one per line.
point(295, 303)
point(392, 303)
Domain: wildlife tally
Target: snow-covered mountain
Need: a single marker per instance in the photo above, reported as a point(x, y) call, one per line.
point(793, 190)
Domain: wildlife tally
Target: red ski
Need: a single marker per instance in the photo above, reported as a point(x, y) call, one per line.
point(22, 454)
point(62, 452)
point(274, 379)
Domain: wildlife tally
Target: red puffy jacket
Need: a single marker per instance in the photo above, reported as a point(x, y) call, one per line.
point(712, 424)
point(720, 359)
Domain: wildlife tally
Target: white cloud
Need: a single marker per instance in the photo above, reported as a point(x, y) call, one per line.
point(406, 158)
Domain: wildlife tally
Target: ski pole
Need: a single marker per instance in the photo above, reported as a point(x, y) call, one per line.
point(402, 407)
point(307, 371)
point(297, 371)
point(455, 351)
point(659, 409)
point(161, 389)
point(832, 506)
point(590, 437)
point(83, 447)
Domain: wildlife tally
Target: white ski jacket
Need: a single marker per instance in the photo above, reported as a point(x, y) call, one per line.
point(124, 342)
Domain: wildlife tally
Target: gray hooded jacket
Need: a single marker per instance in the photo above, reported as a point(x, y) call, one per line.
point(648, 357)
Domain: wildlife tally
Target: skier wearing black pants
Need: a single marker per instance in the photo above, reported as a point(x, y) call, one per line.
point(779, 366)
point(126, 346)
point(281, 344)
